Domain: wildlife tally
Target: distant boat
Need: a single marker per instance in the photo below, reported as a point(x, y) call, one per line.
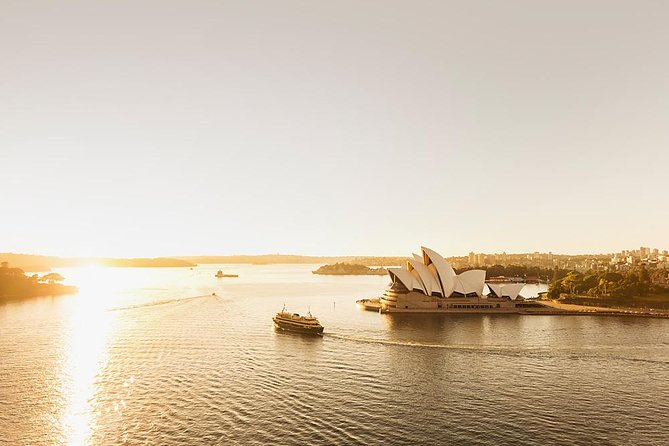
point(220, 274)
point(308, 324)
point(370, 304)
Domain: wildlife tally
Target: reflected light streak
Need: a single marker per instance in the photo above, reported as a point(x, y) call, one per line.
point(90, 329)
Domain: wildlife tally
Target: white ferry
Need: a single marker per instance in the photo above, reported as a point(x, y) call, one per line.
point(284, 320)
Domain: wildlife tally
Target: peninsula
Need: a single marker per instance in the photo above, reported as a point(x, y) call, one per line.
point(429, 284)
point(349, 269)
point(15, 284)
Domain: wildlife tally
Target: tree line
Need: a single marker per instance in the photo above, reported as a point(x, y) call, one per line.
point(634, 283)
point(516, 271)
point(14, 284)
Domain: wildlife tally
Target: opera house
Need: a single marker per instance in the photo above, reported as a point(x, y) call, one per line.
point(428, 283)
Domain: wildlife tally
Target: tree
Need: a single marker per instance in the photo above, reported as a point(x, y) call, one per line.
point(52, 278)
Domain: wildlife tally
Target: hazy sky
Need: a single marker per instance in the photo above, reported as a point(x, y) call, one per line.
point(148, 128)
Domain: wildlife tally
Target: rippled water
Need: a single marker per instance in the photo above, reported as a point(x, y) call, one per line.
point(149, 356)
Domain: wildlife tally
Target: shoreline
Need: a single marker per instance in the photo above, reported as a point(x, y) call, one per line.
point(552, 309)
point(70, 290)
point(606, 311)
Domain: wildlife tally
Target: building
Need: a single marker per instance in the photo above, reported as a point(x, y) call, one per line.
point(429, 283)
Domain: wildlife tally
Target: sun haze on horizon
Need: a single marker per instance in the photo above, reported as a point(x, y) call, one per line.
point(143, 128)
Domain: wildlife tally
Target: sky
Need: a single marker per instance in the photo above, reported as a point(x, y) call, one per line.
point(344, 127)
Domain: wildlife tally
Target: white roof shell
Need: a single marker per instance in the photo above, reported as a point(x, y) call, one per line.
point(431, 273)
point(471, 281)
point(418, 284)
point(511, 290)
point(409, 280)
point(428, 278)
point(444, 270)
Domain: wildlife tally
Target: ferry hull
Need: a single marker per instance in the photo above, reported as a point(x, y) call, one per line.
point(287, 326)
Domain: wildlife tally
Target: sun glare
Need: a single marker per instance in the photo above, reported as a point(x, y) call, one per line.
point(86, 349)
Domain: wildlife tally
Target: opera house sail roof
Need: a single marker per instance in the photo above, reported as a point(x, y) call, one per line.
point(428, 282)
point(432, 275)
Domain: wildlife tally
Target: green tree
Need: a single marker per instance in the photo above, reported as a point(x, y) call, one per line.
point(52, 278)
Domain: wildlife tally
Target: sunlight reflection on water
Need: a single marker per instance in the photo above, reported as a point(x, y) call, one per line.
point(90, 329)
point(150, 356)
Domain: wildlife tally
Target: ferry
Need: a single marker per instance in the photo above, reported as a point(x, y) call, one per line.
point(220, 274)
point(284, 320)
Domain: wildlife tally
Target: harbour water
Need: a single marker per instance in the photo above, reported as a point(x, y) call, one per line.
point(150, 356)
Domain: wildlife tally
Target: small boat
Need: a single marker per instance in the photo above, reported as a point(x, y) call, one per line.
point(220, 274)
point(308, 324)
point(370, 304)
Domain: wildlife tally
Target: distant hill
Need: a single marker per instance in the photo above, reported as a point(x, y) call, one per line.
point(297, 259)
point(158, 262)
point(37, 263)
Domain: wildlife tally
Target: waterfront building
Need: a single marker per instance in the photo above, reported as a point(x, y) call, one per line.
point(428, 283)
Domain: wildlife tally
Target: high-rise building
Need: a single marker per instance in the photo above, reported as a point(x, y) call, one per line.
point(480, 259)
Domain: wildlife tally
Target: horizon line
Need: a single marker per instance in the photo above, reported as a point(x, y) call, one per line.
point(298, 255)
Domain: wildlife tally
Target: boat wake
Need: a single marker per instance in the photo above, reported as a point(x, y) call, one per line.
point(162, 302)
point(498, 349)
point(408, 343)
